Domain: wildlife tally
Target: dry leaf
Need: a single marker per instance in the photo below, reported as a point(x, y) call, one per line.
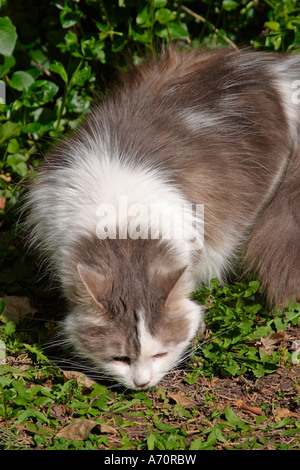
point(272, 340)
point(281, 413)
point(80, 429)
point(17, 307)
point(81, 378)
point(107, 429)
point(2, 202)
point(5, 177)
point(58, 411)
point(181, 399)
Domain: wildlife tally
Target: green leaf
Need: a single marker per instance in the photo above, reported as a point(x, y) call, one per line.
point(232, 368)
point(172, 30)
point(10, 328)
point(151, 442)
point(6, 63)
point(71, 41)
point(31, 412)
point(80, 76)
point(273, 25)
point(39, 93)
point(160, 3)
point(35, 350)
point(164, 15)
point(8, 36)
point(100, 403)
point(9, 130)
point(144, 18)
point(197, 444)
point(281, 424)
point(21, 80)
point(17, 162)
point(69, 17)
point(230, 5)
point(144, 38)
point(57, 67)
point(233, 418)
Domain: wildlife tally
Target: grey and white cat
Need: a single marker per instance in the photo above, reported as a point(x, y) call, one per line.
point(218, 130)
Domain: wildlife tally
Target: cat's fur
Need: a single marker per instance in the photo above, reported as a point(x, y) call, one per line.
point(216, 128)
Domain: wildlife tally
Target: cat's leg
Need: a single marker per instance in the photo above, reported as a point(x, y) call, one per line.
point(273, 252)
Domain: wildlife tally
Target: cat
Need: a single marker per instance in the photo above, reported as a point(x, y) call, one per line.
point(189, 170)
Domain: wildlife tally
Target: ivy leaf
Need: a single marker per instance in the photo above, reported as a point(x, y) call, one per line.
point(8, 36)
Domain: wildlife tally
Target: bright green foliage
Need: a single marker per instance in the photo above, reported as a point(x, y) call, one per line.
point(237, 323)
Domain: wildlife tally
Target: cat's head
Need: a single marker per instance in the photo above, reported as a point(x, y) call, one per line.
point(133, 323)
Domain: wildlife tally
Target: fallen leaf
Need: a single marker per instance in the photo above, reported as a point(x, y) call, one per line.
point(17, 307)
point(2, 202)
point(107, 429)
point(58, 411)
point(273, 340)
point(5, 177)
point(81, 378)
point(181, 399)
point(281, 413)
point(80, 429)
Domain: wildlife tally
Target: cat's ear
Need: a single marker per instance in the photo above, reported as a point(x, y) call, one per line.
point(165, 279)
point(96, 284)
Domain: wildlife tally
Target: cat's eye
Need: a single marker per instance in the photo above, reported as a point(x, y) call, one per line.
point(157, 356)
point(124, 359)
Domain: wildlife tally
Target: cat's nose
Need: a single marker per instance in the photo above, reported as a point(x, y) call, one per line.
point(139, 384)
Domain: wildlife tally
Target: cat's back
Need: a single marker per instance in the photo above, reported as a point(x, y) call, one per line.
point(185, 127)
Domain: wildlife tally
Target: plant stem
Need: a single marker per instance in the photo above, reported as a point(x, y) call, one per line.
point(215, 30)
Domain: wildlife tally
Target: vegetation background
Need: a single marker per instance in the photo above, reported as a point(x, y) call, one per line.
point(56, 58)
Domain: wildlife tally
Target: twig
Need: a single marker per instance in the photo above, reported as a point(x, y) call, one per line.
point(249, 409)
point(38, 64)
point(215, 30)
